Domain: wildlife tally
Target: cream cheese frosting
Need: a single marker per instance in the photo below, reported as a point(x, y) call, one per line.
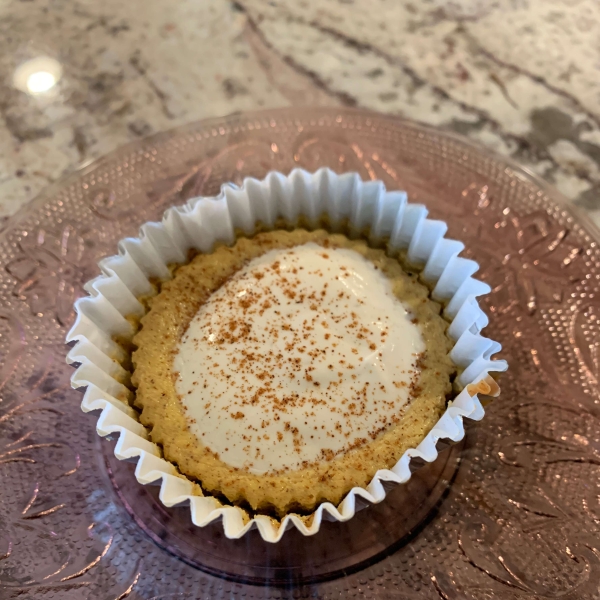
point(301, 355)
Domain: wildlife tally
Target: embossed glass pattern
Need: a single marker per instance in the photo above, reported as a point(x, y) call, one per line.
point(512, 512)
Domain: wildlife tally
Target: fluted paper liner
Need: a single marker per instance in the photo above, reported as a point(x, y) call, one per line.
point(199, 224)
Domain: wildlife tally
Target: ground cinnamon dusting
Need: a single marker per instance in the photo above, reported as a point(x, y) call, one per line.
point(281, 382)
point(269, 302)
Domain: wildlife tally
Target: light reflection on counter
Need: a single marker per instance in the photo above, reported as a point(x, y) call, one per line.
point(38, 75)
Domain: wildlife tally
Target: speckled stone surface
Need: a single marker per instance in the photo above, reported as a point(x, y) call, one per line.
point(519, 76)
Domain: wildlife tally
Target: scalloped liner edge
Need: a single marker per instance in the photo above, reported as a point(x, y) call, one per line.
point(198, 224)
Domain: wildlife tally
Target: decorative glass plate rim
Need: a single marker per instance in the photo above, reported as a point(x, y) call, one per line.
point(519, 170)
point(535, 211)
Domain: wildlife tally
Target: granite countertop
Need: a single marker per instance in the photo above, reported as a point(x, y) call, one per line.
point(519, 76)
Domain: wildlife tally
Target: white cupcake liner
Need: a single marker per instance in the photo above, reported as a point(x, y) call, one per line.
point(202, 222)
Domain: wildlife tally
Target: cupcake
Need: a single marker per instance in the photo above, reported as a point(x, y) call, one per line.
point(287, 347)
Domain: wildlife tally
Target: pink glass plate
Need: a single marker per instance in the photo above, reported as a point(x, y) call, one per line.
point(511, 513)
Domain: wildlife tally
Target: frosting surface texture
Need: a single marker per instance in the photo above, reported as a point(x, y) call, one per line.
point(301, 355)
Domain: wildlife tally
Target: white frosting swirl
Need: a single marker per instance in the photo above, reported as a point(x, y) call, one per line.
point(301, 355)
